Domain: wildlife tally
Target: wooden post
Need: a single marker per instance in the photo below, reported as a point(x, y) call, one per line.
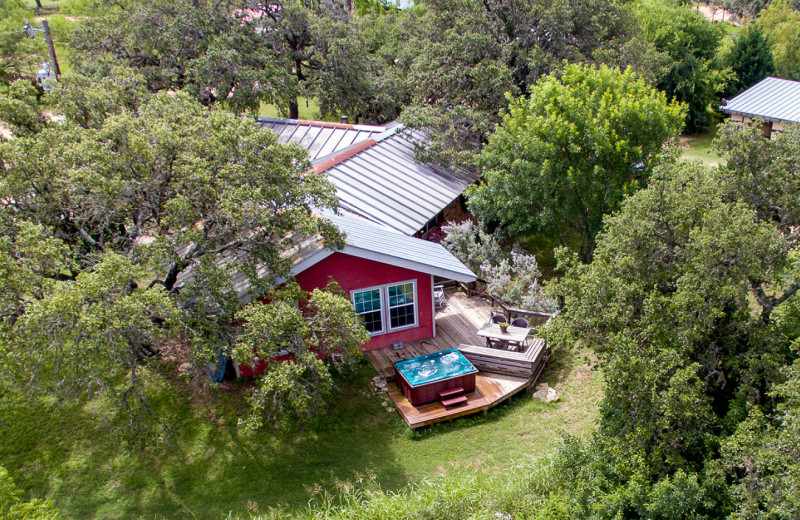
point(51, 48)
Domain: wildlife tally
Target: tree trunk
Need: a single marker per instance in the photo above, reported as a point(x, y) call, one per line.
point(39, 4)
point(294, 110)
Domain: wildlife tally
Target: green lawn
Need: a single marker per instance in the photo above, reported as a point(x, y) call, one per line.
point(207, 468)
point(308, 109)
point(45, 3)
point(698, 147)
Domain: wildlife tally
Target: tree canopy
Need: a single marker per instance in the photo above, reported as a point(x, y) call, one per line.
point(103, 213)
point(568, 155)
point(780, 22)
point(694, 76)
point(750, 59)
point(690, 302)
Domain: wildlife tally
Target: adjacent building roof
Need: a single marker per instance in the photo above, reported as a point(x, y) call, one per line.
point(363, 239)
point(773, 99)
point(320, 138)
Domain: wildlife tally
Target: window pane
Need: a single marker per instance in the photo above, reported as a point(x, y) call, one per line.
point(401, 294)
point(367, 301)
point(402, 316)
point(372, 321)
point(368, 306)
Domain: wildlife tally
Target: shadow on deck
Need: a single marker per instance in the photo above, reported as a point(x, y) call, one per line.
point(501, 374)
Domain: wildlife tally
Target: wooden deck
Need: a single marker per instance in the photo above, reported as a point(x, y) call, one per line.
point(490, 390)
point(457, 323)
point(500, 376)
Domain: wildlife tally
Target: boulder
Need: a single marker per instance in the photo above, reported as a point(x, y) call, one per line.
point(545, 393)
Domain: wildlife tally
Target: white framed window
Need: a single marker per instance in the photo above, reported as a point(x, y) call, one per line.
point(387, 308)
point(368, 304)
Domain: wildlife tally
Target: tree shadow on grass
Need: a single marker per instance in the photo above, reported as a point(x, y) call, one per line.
point(206, 470)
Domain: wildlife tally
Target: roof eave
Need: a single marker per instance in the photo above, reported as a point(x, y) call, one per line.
point(748, 114)
point(409, 264)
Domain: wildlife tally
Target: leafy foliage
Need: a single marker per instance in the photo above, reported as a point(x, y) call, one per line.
point(243, 53)
point(513, 277)
point(762, 456)
point(13, 508)
point(105, 213)
point(690, 303)
point(695, 77)
point(325, 328)
point(750, 59)
point(17, 51)
point(472, 53)
point(780, 23)
point(568, 155)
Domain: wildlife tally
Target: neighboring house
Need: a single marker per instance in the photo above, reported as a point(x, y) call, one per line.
point(376, 173)
point(775, 100)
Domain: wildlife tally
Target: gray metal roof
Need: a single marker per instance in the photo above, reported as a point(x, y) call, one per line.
point(384, 182)
point(773, 99)
point(320, 138)
point(363, 239)
point(366, 239)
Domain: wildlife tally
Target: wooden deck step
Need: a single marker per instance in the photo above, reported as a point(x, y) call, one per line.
point(454, 401)
point(451, 393)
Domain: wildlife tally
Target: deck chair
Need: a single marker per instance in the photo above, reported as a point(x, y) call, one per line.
point(438, 296)
point(498, 318)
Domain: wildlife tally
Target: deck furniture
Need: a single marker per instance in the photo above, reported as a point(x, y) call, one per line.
point(520, 322)
point(514, 336)
point(498, 318)
point(438, 296)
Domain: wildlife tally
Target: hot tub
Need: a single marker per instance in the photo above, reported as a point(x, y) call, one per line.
point(422, 378)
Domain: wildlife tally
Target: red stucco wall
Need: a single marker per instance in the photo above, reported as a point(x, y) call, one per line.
point(353, 273)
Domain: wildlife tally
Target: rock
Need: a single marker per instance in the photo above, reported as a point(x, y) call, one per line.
point(379, 382)
point(385, 404)
point(390, 409)
point(545, 393)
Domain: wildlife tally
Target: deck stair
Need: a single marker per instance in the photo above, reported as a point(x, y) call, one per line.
point(453, 397)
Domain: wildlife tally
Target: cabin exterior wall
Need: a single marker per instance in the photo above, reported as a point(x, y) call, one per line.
point(353, 273)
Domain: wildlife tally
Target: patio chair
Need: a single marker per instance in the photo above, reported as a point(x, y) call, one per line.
point(520, 322)
point(438, 296)
point(498, 318)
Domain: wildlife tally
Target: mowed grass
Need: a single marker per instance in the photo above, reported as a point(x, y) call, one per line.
point(307, 109)
point(205, 467)
point(698, 147)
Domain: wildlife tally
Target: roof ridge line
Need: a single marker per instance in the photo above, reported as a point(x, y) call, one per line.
point(327, 124)
point(354, 149)
point(343, 155)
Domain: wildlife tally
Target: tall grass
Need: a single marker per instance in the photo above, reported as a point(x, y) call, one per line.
point(463, 494)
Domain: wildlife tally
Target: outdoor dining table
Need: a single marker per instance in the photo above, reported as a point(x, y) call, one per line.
point(512, 335)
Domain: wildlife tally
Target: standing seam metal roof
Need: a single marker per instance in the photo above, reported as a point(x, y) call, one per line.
point(398, 249)
point(320, 138)
point(771, 98)
point(385, 183)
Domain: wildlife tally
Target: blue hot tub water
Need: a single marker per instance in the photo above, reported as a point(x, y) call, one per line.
point(435, 367)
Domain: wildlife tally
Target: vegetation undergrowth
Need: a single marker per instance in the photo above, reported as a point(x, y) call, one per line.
point(205, 467)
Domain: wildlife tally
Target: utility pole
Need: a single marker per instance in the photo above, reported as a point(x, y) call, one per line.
point(45, 28)
point(50, 47)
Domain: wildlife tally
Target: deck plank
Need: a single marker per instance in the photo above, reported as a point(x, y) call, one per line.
point(456, 326)
point(490, 390)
